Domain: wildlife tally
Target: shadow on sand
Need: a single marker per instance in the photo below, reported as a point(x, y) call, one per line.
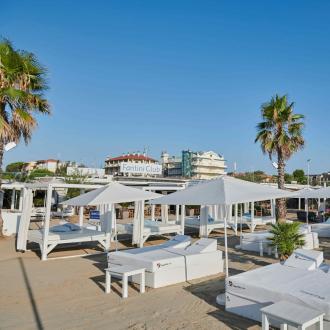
point(31, 296)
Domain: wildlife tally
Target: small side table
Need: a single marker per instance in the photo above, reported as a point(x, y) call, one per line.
point(287, 313)
point(124, 272)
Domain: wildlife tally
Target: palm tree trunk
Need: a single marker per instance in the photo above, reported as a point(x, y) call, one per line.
point(281, 203)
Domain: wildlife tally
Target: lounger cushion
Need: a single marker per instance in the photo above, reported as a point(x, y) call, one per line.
point(60, 229)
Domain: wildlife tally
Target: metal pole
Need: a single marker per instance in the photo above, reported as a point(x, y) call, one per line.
point(226, 245)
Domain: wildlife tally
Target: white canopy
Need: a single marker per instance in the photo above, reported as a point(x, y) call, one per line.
point(225, 190)
point(112, 193)
point(313, 193)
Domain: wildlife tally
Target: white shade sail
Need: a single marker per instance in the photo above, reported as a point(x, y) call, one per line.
point(225, 190)
point(111, 193)
point(313, 193)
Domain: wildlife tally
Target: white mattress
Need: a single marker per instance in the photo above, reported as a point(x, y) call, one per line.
point(195, 223)
point(150, 227)
point(257, 220)
point(277, 282)
point(37, 235)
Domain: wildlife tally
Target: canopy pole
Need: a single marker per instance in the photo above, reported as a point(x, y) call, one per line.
point(306, 209)
point(226, 244)
point(12, 202)
point(153, 208)
point(236, 217)
point(299, 203)
point(241, 229)
point(81, 216)
point(141, 216)
point(177, 213)
point(183, 208)
point(252, 216)
point(46, 223)
point(20, 208)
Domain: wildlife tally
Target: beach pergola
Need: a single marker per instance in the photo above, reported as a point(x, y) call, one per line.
point(311, 193)
point(224, 191)
point(103, 196)
point(111, 194)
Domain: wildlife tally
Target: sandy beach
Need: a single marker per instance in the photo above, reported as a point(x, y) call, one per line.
point(69, 294)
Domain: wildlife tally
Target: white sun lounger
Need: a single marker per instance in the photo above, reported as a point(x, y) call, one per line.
point(248, 292)
point(173, 262)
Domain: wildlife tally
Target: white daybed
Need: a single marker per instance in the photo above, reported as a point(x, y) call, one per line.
point(253, 241)
point(151, 228)
point(45, 237)
point(257, 221)
point(174, 261)
point(194, 222)
point(322, 229)
point(77, 236)
point(302, 279)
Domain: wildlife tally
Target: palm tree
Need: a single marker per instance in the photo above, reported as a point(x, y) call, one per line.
point(22, 83)
point(286, 238)
point(280, 134)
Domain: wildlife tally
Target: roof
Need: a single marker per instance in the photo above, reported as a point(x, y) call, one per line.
point(132, 157)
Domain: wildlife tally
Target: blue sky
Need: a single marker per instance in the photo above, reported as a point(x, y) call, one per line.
point(173, 75)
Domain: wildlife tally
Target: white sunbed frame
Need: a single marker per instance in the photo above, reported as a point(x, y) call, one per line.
point(79, 236)
point(157, 229)
point(48, 240)
point(194, 222)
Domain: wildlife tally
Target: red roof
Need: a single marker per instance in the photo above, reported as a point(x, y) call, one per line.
point(132, 157)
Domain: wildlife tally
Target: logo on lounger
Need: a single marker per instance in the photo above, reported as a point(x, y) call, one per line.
point(162, 265)
point(230, 283)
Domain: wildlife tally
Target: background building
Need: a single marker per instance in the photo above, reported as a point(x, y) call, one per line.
point(85, 171)
point(172, 165)
point(50, 165)
point(322, 179)
point(202, 165)
point(113, 165)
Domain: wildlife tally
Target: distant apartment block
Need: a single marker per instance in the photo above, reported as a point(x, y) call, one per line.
point(202, 165)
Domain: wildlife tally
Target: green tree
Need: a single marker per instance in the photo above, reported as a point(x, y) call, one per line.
point(299, 176)
point(39, 173)
point(15, 167)
point(288, 177)
point(74, 192)
point(280, 134)
point(22, 83)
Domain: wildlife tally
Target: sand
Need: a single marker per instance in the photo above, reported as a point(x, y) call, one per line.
point(69, 294)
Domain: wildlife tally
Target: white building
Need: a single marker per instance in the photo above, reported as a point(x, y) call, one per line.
point(201, 165)
point(85, 171)
point(50, 165)
point(132, 164)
